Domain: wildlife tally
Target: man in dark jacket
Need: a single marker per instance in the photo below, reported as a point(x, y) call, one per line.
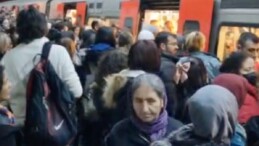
point(167, 42)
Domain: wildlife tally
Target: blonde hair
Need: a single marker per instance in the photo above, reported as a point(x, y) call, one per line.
point(70, 45)
point(195, 41)
point(5, 42)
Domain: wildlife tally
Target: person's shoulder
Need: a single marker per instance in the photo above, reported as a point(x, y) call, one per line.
point(174, 124)
point(211, 56)
point(58, 48)
point(10, 54)
point(121, 126)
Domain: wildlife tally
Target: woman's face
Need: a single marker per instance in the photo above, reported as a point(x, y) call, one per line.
point(248, 66)
point(5, 93)
point(147, 104)
point(77, 31)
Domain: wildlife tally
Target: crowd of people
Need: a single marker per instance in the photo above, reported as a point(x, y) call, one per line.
point(153, 89)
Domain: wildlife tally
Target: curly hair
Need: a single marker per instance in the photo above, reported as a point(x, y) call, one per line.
point(112, 62)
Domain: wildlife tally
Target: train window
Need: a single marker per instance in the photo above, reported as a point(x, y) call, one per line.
point(91, 5)
point(190, 26)
point(225, 4)
point(99, 5)
point(228, 37)
point(128, 23)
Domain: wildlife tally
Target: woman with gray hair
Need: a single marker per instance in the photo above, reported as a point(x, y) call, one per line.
point(148, 119)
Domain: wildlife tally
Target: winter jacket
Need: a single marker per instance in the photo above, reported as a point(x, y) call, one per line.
point(93, 55)
point(250, 108)
point(239, 139)
point(108, 106)
point(167, 70)
point(211, 63)
point(126, 134)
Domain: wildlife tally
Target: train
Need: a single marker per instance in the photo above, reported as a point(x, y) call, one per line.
point(222, 21)
point(84, 10)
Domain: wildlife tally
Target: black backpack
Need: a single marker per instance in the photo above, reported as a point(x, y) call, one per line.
point(50, 115)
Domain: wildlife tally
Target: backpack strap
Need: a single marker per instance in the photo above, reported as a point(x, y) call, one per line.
point(45, 51)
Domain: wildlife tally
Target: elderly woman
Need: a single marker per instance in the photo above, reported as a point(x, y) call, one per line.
point(148, 120)
point(213, 116)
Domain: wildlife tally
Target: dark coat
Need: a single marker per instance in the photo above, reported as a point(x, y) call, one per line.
point(167, 70)
point(107, 106)
point(8, 135)
point(126, 134)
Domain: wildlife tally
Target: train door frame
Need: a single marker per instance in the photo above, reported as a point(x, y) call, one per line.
point(140, 6)
point(243, 15)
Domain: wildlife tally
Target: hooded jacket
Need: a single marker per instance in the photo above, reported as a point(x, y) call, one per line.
point(108, 106)
point(213, 116)
point(244, 92)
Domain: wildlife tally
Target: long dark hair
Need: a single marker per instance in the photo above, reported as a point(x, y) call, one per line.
point(197, 78)
point(88, 38)
point(234, 62)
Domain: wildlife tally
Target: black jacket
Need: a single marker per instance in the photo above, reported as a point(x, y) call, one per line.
point(126, 134)
point(8, 135)
point(167, 70)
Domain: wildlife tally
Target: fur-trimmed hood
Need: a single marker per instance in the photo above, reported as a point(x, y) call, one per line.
point(114, 83)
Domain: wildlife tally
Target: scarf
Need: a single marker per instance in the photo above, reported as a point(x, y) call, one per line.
point(156, 129)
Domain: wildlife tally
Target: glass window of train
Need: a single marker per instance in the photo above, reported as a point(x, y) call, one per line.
point(228, 37)
point(190, 26)
point(99, 5)
point(128, 23)
point(91, 5)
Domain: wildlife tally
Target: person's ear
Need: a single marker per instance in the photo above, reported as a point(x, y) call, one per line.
point(163, 46)
point(239, 47)
point(162, 103)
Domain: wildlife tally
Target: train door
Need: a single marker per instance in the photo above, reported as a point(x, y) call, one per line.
point(196, 15)
point(76, 10)
point(149, 12)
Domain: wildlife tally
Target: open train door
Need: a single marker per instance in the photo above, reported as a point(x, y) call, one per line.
point(133, 11)
point(196, 15)
point(78, 10)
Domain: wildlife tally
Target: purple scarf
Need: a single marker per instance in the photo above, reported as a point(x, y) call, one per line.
point(155, 130)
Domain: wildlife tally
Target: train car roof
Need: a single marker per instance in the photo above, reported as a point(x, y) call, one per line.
point(17, 2)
